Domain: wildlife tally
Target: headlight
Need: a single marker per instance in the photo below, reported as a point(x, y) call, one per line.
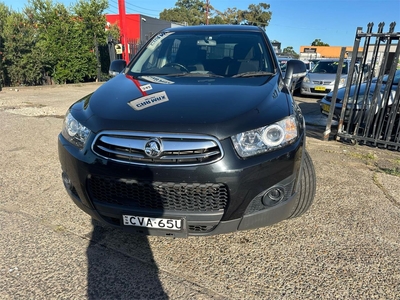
point(360, 99)
point(342, 81)
point(74, 131)
point(266, 138)
point(306, 79)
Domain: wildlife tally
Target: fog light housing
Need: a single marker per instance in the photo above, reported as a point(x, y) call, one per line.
point(67, 182)
point(273, 196)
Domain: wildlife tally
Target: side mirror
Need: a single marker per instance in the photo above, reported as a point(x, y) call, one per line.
point(294, 69)
point(116, 67)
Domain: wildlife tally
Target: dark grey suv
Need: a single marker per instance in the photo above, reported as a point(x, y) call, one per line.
point(197, 135)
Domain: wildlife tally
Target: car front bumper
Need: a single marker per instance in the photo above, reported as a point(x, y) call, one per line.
point(95, 185)
point(311, 89)
point(354, 112)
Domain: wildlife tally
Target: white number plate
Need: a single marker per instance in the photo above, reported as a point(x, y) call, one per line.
point(158, 223)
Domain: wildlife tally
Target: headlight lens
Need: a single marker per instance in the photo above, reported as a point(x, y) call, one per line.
point(360, 99)
point(306, 79)
point(266, 138)
point(74, 131)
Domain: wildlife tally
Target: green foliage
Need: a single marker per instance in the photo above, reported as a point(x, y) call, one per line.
point(4, 13)
point(20, 56)
point(289, 51)
point(229, 16)
point(90, 13)
point(257, 15)
point(48, 40)
point(192, 12)
point(318, 42)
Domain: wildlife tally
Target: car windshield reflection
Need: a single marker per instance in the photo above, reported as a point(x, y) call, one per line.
point(203, 54)
point(329, 67)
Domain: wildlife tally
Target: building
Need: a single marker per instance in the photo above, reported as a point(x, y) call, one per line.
point(315, 52)
point(318, 52)
point(138, 30)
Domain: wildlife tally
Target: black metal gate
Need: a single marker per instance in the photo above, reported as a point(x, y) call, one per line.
point(132, 44)
point(370, 108)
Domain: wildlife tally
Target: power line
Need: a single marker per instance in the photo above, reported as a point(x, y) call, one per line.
point(132, 9)
point(141, 7)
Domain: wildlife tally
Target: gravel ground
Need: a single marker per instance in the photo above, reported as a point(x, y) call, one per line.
point(345, 247)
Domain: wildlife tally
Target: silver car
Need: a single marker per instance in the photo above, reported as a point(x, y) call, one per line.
point(321, 79)
point(361, 109)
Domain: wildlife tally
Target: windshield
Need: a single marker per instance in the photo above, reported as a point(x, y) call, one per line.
point(329, 67)
point(202, 53)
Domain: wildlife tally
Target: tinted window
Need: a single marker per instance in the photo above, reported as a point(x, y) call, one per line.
point(329, 67)
point(222, 53)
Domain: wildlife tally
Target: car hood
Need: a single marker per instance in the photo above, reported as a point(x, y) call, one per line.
point(323, 76)
point(363, 86)
point(361, 92)
point(216, 106)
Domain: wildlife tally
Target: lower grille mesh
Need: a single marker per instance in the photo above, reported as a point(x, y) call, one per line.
point(158, 195)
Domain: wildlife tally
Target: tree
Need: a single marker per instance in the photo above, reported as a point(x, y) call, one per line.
point(190, 12)
point(289, 51)
point(21, 59)
point(48, 40)
point(91, 15)
point(229, 16)
point(4, 13)
point(55, 38)
point(318, 42)
point(257, 15)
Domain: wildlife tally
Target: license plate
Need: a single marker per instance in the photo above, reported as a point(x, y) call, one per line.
point(320, 88)
point(326, 108)
point(157, 223)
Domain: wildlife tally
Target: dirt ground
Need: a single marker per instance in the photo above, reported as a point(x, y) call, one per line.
point(345, 247)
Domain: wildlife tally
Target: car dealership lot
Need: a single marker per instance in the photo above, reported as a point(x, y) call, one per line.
point(346, 246)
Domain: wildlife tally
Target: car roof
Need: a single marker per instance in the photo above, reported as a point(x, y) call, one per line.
point(232, 28)
point(332, 60)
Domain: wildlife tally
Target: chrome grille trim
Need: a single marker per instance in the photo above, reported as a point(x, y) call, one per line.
point(322, 82)
point(178, 149)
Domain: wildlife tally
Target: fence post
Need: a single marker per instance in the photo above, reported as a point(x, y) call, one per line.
point(335, 90)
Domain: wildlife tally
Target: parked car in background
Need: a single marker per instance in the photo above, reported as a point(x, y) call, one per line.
point(309, 64)
point(197, 135)
point(321, 79)
point(296, 83)
point(358, 109)
point(283, 60)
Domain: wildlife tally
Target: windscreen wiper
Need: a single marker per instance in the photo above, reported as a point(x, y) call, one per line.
point(193, 75)
point(253, 74)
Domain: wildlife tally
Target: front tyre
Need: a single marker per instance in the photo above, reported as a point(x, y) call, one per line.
point(307, 187)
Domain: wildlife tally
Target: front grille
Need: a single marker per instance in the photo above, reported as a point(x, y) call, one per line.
point(165, 196)
point(201, 228)
point(322, 82)
point(174, 149)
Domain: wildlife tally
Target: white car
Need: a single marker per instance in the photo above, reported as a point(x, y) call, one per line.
point(321, 79)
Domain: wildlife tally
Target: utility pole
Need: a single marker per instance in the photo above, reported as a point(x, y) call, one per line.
point(122, 27)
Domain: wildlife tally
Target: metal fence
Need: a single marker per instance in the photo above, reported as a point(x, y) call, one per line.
point(370, 107)
point(133, 48)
